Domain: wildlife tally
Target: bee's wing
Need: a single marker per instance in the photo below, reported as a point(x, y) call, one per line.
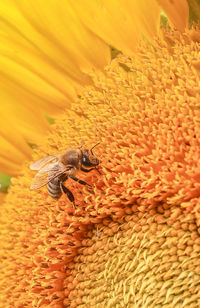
point(40, 163)
point(47, 174)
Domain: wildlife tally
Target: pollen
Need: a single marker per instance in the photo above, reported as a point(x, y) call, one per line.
point(133, 239)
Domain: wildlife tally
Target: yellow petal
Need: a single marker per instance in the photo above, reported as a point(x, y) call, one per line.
point(57, 34)
point(45, 54)
point(26, 120)
point(19, 124)
point(121, 23)
point(47, 57)
point(24, 85)
point(177, 12)
point(14, 150)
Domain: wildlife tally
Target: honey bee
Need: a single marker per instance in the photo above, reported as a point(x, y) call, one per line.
point(53, 170)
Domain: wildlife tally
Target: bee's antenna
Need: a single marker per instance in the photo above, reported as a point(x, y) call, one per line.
point(94, 147)
point(82, 144)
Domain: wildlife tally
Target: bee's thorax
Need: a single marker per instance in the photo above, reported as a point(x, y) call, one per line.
point(72, 157)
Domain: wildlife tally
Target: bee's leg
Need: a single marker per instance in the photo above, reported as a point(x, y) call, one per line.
point(64, 178)
point(69, 194)
point(88, 170)
point(79, 181)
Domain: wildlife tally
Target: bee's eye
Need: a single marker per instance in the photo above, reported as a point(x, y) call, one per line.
point(84, 159)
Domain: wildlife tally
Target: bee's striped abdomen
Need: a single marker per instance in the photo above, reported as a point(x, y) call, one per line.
point(54, 189)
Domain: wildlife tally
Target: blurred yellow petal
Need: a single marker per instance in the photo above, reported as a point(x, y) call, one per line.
point(14, 148)
point(11, 164)
point(32, 89)
point(32, 129)
point(177, 11)
point(20, 124)
point(121, 23)
point(56, 36)
point(45, 55)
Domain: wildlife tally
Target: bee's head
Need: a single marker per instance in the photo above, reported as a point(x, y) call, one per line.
point(89, 159)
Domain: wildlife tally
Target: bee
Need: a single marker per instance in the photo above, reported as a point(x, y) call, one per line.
point(53, 170)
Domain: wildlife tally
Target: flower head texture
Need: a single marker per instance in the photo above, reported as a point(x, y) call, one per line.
point(134, 241)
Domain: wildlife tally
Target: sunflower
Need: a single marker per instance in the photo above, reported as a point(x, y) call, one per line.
point(134, 240)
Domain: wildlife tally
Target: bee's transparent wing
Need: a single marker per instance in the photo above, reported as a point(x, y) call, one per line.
point(47, 174)
point(40, 163)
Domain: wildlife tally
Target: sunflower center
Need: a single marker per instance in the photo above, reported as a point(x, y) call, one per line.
point(144, 261)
